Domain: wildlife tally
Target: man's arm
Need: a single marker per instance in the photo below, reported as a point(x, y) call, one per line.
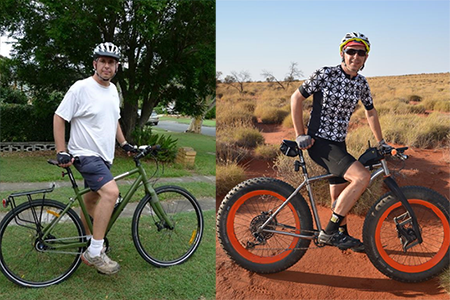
point(59, 134)
point(303, 141)
point(374, 124)
point(119, 135)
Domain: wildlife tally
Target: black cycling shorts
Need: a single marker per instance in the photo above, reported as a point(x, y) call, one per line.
point(332, 156)
point(95, 171)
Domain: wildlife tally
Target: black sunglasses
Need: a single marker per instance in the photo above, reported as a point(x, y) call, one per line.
point(354, 51)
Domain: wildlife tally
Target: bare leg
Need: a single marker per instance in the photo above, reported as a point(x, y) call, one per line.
point(102, 214)
point(90, 200)
point(359, 179)
point(335, 191)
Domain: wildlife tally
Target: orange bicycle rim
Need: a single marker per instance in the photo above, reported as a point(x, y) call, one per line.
point(424, 266)
point(238, 246)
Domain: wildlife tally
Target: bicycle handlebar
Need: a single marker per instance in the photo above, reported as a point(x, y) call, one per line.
point(397, 152)
point(142, 151)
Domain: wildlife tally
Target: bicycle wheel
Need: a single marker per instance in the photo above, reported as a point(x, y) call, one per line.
point(28, 260)
point(162, 246)
point(246, 207)
point(385, 246)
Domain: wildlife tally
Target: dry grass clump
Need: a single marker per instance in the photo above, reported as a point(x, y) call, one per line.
point(227, 176)
point(416, 131)
point(270, 115)
point(267, 152)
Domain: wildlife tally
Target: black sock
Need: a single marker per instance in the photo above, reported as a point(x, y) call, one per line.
point(333, 224)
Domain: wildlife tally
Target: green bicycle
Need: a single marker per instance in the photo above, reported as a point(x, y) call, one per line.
point(41, 240)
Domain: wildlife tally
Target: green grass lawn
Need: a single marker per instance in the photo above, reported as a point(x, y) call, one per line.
point(185, 120)
point(33, 166)
point(137, 279)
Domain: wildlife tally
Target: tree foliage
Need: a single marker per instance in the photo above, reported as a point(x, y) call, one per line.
point(167, 48)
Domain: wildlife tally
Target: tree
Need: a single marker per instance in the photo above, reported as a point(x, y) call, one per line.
point(293, 74)
point(237, 80)
point(167, 49)
point(271, 78)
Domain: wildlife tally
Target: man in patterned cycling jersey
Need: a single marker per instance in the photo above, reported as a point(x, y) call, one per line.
point(336, 91)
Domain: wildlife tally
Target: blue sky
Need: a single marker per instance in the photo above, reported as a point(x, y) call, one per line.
point(407, 37)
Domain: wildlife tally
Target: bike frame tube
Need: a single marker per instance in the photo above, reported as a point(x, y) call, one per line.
point(140, 180)
point(307, 182)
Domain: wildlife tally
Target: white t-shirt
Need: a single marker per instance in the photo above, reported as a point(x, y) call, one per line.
point(93, 112)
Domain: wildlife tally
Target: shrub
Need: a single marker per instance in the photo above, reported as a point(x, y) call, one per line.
point(144, 136)
point(227, 153)
point(248, 137)
point(266, 151)
point(270, 115)
point(228, 176)
point(414, 98)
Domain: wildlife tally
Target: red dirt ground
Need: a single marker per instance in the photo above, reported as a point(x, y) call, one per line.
point(328, 273)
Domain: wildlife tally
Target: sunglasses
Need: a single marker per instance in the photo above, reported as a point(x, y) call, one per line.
point(352, 52)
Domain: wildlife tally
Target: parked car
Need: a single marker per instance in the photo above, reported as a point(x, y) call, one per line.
point(153, 119)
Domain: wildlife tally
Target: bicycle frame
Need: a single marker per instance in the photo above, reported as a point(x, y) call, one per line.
point(382, 169)
point(140, 180)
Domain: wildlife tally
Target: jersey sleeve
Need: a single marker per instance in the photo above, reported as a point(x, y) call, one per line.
point(366, 96)
point(68, 105)
point(314, 83)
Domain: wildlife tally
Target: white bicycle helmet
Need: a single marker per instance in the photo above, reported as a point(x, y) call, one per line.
point(355, 36)
point(107, 49)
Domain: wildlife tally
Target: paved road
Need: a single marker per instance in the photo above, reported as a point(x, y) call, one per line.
point(179, 127)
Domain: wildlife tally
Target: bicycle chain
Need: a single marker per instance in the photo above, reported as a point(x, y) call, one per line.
point(317, 245)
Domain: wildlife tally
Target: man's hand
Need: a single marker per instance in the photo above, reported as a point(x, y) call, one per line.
point(64, 159)
point(304, 141)
point(383, 146)
point(129, 148)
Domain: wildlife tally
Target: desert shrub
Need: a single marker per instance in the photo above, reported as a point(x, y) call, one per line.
point(228, 176)
point(414, 98)
point(247, 137)
point(444, 280)
point(266, 151)
point(270, 114)
point(416, 109)
point(227, 153)
point(416, 131)
point(287, 122)
point(443, 106)
point(234, 118)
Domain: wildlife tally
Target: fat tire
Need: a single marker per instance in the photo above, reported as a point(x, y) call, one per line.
point(25, 280)
point(284, 190)
point(423, 196)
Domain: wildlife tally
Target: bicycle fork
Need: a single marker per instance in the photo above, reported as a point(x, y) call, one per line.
point(412, 236)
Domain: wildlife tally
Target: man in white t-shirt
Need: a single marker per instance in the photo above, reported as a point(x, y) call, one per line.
point(92, 107)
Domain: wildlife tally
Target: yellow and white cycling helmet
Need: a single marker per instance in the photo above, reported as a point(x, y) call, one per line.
point(357, 37)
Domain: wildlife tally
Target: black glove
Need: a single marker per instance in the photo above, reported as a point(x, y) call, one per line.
point(304, 141)
point(64, 158)
point(129, 148)
point(384, 147)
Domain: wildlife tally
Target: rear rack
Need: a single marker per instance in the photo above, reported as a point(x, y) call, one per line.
point(11, 200)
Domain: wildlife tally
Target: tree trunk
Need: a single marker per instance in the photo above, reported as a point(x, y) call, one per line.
point(196, 125)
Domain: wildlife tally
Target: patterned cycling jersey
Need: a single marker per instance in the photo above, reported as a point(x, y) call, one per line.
point(335, 96)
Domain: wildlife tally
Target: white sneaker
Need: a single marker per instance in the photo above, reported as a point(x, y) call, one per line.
point(102, 263)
